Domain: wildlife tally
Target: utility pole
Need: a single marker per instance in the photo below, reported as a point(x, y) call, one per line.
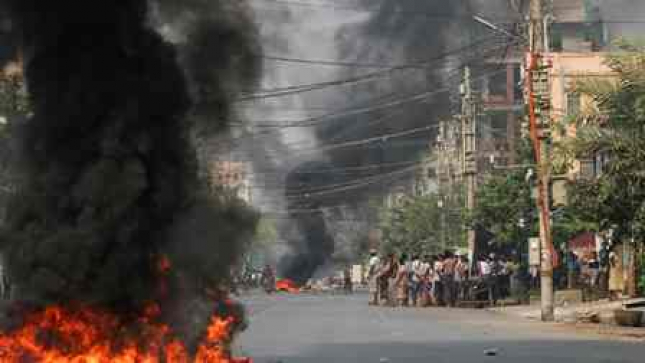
point(469, 148)
point(539, 123)
point(442, 205)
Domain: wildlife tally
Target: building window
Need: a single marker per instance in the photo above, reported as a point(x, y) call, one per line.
point(587, 169)
point(499, 123)
point(497, 84)
point(555, 38)
point(518, 87)
point(573, 103)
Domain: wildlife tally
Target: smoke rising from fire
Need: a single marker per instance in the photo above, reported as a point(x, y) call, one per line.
point(110, 173)
point(396, 32)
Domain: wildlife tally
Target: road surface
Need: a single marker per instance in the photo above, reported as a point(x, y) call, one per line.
point(339, 329)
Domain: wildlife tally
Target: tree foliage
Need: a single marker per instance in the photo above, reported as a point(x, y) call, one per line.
point(614, 125)
point(502, 201)
point(421, 224)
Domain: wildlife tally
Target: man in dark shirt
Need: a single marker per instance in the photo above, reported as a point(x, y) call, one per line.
point(448, 279)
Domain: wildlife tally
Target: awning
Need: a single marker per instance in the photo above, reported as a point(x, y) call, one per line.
point(584, 241)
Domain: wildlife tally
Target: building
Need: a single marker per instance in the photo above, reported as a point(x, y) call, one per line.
point(566, 70)
point(448, 154)
point(502, 109)
point(579, 38)
point(576, 26)
point(232, 176)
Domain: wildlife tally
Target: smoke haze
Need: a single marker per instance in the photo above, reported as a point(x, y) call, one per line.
point(435, 39)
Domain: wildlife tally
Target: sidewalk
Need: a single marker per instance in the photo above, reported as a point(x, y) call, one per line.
point(573, 317)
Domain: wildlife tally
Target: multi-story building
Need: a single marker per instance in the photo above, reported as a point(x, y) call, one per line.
point(447, 152)
point(576, 26)
point(502, 109)
point(579, 38)
point(567, 69)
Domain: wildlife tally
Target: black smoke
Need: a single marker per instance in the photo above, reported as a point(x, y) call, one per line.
point(218, 48)
point(394, 34)
point(9, 49)
point(311, 244)
point(436, 39)
point(110, 173)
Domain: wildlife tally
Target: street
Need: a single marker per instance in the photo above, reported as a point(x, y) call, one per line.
point(338, 328)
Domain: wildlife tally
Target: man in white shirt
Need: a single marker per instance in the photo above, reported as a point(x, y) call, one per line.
point(415, 278)
point(372, 276)
point(437, 284)
point(484, 268)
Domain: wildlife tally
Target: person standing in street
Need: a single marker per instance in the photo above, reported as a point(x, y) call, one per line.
point(437, 285)
point(347, 281)
point(593, 266)
point(573, 267)
point(484, 267)
point(391, 280)
point(485, 275)
point(401, 282)
point(268, 279)
point(461, 277)
point(374, 264)
point(448, 279)
point(386, 271)
point(415, 279)
point(494, 278)
point(504, 278)
point(424, 273)
point(603, 274)
point(615, 275)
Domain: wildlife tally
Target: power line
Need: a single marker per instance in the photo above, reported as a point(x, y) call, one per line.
point(419, 13)
point(351, 112)
point(290, 90)
point(383, 138)
point(335, 63)
point(354, 181)
point(312, 120)
point(361, 168)
point(356, 185)
point(315, 120)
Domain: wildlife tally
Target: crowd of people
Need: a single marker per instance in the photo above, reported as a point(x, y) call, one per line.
point(599, 271)
point(442, 280)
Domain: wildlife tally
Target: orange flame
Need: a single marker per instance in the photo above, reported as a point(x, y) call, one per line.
point(287, 285)
point(88, 335)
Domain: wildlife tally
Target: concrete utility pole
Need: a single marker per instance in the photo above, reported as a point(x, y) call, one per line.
point(539, 122)
point(469, 148)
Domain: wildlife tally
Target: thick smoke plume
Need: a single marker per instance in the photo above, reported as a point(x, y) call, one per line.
point(111, 183)
point(218, 48)
point(397, 32)
point(312, 245)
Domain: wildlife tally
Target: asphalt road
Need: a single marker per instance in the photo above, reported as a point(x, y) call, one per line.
point(338, 329)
